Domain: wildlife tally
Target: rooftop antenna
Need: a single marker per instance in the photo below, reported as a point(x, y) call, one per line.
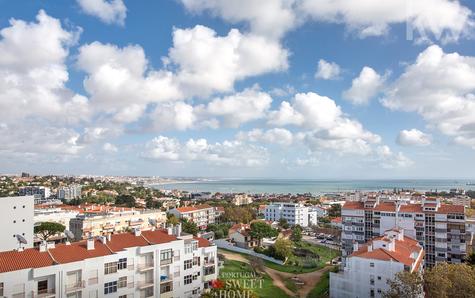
point(21, 240)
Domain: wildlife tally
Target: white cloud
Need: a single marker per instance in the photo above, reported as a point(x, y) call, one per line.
point(271, 18)
point(440, 87)
point(279, 136)
point(327, 70)
point(390, 160)
point(413, 137)
point(110, 148)
point(173, 116)
point(434, 19)
point(226, 153)
point(208, 63)
point(108, 11)
point(365, 86)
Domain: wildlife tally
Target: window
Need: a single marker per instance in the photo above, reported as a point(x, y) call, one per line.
point(188, 249)
point(371, 293)
point(371, 265)
point(187, 279)
point(188, 264)
point(43, 286)
point(379, 277)
point(110, 287)
point(123, 296)
point(110, 267)
point(196, 261)
point(195, 245)
point(122, 282)
point(122, 264)
point(166, 256)
point(1, 288)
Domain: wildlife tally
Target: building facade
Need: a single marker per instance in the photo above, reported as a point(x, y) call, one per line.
point(17, 218)
point(69, 192)
point(371, 265)
point(439, 228)
point(40, 191)
point(294, 213)
point(201, 215)
point(140, 264)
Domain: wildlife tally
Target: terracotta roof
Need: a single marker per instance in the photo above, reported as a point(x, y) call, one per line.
point(78, 251)
point(386, 206)
point(411, 208)
point(445, 208)
point(125, 240)
point(193, 208)
point(202, 242)
point(158, 236)
point(353, 205)
point(29, 258)
point(336, 220)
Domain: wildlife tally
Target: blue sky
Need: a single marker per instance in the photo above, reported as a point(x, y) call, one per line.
point(274, 88)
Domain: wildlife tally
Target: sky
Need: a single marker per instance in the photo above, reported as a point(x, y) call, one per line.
point(318, 89)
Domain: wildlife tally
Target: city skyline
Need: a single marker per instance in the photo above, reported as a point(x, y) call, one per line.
point(211, 88)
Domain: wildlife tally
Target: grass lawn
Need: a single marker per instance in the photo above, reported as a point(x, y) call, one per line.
point(290, 284)
point(322, 287)
point(243, 270)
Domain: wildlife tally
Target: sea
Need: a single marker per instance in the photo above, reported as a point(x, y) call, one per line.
point(294, 186)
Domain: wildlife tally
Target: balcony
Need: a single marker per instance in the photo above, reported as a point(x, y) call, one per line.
point(145, 267)
point(145, 284)
point(209, 262)
point(166, 288)
point(92, 281)
point(75, 286)
point(166, 261)
point(46, 293)
point(19, 295)
point(165, 278)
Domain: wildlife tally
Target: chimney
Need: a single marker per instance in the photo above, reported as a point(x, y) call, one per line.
point(50, 245)
point(170, 230)
point(90, 243)
point(43, 246)
point(355, 246)
point(109, 237)
point(103, 239)
point(370, 247)
point(137, 232)
point(178, 229)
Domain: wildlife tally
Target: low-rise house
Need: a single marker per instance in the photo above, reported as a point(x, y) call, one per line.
point(240, 235)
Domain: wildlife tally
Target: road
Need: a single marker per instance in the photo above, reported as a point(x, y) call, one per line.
point(313, 240)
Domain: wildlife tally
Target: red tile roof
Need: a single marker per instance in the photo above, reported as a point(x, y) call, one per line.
point(125, 240)
point(353, 205)
point(78, 251)
point(202, 242)
point(385, 207)
point(29, 258)
point(445, 208)
point(336, 220)
point(411, 208)
point(193, 208)
point(158, 236)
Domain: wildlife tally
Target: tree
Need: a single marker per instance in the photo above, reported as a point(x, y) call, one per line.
point(450, 280)
point(470, 259)
point(283, 248)
point(189, 227)
point(260, 229)
point(283, 223)
point(150, 203)
point(256, 263)
point(172, 220)
point(335, 210)
point(296, 234)
point(405, 284)
point(125, 200)
point(47, 229)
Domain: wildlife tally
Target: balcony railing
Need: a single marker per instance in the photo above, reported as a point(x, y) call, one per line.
point(166, 261)
point(46, 293)
point(145, 266)
point(92, 281)
point(145, 284)
point(75, 286)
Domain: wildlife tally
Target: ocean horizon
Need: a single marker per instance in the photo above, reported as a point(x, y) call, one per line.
point(314, 186)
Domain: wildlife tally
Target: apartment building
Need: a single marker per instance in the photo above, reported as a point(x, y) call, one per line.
point(140, 264)
point(40, 191)
point(202, 215)
point(69, 192)
point(294, 213)
point(372, 264)
point(241, 199)
point(91, 224)
point(439, 228)
point(17, 218)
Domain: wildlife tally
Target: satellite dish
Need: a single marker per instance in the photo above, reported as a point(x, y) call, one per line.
point(69, 234)
point(152, 221)
point(21, 239)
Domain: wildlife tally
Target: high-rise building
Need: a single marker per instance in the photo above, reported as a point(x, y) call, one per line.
point(69, 192)
point(372, 264)
point(202, 215)
point(439, 228)
point(17, 218)
point(140, 264)
point(294, 213)
point(41, 193)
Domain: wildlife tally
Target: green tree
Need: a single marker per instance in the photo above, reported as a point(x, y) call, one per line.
point(405, 284)
point(172, 220)
point(296, 234)
point(450, 280)
point(189, 227)
point(260, 229)
point(125, 200)
point(283, 248)
point(47, 229)
point(283, 223)
point(335, 210)
point(470, 259)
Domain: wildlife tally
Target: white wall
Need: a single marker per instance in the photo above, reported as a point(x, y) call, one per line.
point(16, 215)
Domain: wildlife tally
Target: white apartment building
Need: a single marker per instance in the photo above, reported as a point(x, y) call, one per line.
point(439, 228)
point(294, 213)
point(16, 215)
point(241, 199)
point(86, 224)
point(69, 192)
point(371, 265)
point(202, 215)
point(40, 191)
point(140, 264)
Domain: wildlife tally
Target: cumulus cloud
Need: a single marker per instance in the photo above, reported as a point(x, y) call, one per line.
point(440, 87)
point(108, 11)
point(270, 18)
point(110, 148)
point(387, 159)
point(279, 136)
point(365, 86)
point(413, 137)
point(226, 153)
point(435, 19)
point(327, 70)
point(208, 63)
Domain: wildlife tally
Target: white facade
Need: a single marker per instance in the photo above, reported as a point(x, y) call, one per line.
point(70, 192)
point(16, 214)
point(41, 191)
point(313, 214)
point(177, 268)
point(201, 215)
point(294, 213)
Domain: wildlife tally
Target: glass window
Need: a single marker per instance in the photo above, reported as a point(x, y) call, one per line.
point(110, 267)
point(1, 288)
point(122, 264)
point(188, 264)
point(166, 254)
point(122, 282)
point(188, 279)
point(110, 287)
point(42, 286)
